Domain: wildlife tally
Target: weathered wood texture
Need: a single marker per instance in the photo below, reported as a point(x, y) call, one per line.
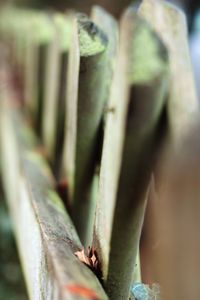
point(55, 85)
point(28, 33)
point(131, 137)
point(89, 74)
point(45, 234)
point(32, 32)
point(109, 25)
point(170, 24)
point(134, 80)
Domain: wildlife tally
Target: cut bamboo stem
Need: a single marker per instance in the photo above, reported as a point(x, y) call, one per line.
point(170, 24)
point(85, 104)
point(131, 143)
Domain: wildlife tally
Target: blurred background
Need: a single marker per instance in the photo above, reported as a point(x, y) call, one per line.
point(12, 286)
point(115, 7)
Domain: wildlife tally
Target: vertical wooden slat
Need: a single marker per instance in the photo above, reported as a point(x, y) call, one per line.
point(131, 141)
point(53, 109)
point(85, 104)
point(110, 27)
point(45, 235)
point(170, 24)
point(102, 221)
point(40, 34)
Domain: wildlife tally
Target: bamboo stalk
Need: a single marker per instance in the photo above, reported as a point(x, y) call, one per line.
point(45, 235)
point(131, 141)
point(170, 24)
point(85, 104)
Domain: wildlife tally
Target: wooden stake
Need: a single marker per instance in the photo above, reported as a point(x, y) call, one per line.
point(109, 25)
point(85, 105)
point(131, 142)
point(170, 24)
point(39, 36)
point(55, 85)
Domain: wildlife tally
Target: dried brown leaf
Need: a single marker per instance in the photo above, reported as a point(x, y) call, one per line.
point(83, 257)
point(90, 258)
